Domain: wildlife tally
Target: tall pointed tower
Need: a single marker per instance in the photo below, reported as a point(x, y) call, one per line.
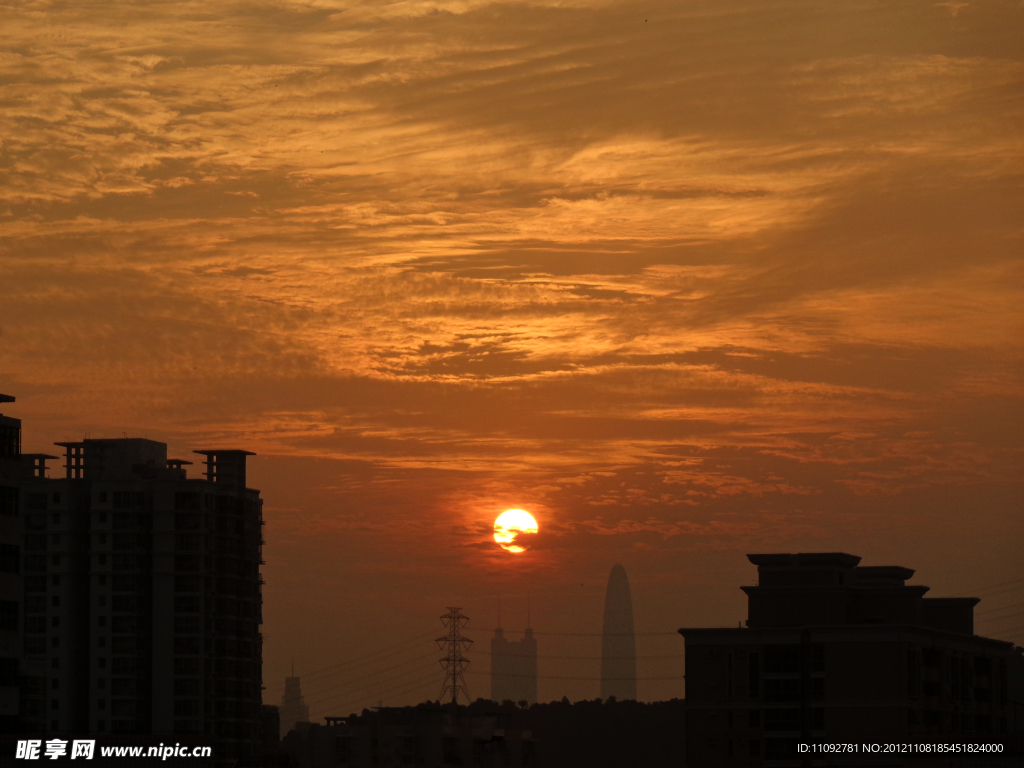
point(293, 706)
point(618, 641)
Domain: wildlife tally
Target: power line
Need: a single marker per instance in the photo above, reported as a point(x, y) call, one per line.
point(368, 690)
point(576, 677)
point(602, 634)
point(373, 678)
point(594, 658)
point(339, 667)
point(402, 688)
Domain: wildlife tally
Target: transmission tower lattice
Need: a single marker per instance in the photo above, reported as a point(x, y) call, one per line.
point(454, 663)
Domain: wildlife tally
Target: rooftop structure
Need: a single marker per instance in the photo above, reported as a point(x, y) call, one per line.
point(835, 651)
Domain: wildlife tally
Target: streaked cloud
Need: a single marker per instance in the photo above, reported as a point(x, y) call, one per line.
point(680, 278)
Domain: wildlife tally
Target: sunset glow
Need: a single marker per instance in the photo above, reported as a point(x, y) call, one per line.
point(688, 279)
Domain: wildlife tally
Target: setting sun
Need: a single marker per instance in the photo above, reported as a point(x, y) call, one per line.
point(508, 527)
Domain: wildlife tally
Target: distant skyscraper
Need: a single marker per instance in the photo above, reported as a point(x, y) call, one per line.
point(514, 667)
point(293, 706)
point(618, 643)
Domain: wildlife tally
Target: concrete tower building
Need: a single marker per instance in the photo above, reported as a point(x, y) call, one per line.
point(293, 706)
point(618, 641)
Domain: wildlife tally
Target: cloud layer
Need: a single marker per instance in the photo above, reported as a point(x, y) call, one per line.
point(686, 280)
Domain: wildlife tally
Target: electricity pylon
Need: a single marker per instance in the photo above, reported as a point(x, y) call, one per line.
point(454, 663)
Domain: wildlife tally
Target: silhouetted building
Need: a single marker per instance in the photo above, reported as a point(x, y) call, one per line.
point(618, 641)
point(270, 730)
point(606, 734)
point(586, 734)
point(10, 581)
point(514, 667)
point(834, 651)
point(142, 596)
point(293, 707)
point(428, 735)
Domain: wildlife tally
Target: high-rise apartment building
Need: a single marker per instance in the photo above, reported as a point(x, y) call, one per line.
point(142, 596)
point(10, 582)
point(839, 652)
point(514, 667)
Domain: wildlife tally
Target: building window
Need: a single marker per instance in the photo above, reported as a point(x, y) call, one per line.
point(129, 499)
point(124, 645)
point(9, 615)
point(124, 584)
point(782, 690)
point(10, 441)
point(186, 707)
point(187, 583)
point(782, 719)
point(187, 625)
point(8, 500)
point(186, 604)
point(126, 666)
point(187, 666)
point(125, 604)
point(186, 687)
point(782, 659)
point(124, 624)
point(780, 748)
point(187, 646)
point(124, 562)
point(126, 540)
point(817, 688)
point(10, 557)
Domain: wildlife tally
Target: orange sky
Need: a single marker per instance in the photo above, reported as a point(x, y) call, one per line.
point(686, 280)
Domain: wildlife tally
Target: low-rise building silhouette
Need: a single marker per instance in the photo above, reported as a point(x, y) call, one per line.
point(142, 596)
point(429, 734)
point(839, 652)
